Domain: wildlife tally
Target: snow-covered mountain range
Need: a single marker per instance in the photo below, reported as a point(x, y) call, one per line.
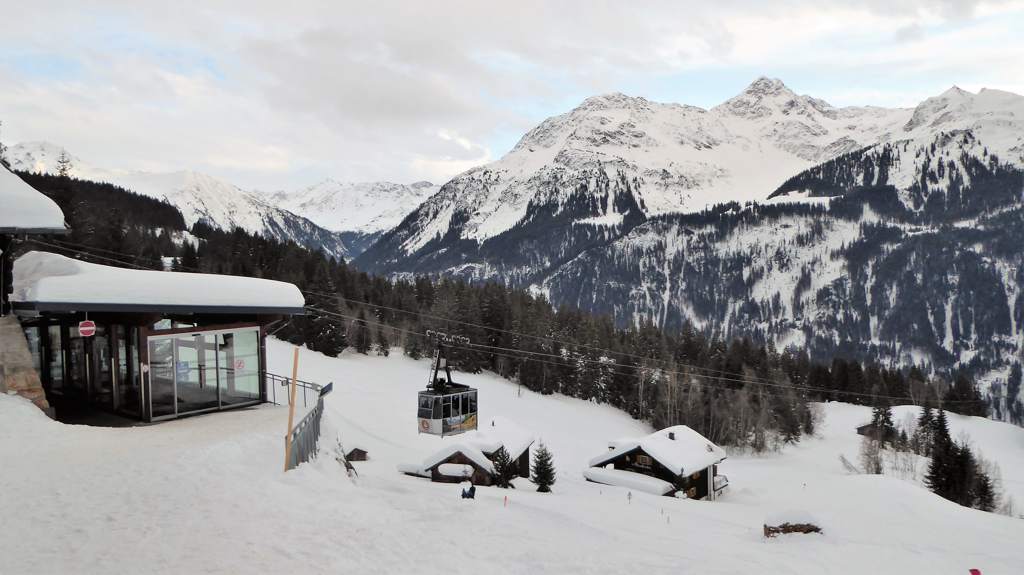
point(676, 158)
point(344, 217)
point(361, 211)
point(913, 265)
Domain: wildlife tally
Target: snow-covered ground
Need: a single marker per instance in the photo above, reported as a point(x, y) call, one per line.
point(206, 494)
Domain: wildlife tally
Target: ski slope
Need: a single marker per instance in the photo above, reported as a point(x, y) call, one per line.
point(206, 494)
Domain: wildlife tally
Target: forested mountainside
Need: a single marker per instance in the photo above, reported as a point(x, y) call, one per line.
point(734, 391)
point(930, 275)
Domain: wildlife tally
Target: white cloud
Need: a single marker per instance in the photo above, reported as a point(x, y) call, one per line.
point(273, 96)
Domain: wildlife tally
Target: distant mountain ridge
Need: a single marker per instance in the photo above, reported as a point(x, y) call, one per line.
point(360, 211)
point(201, 197)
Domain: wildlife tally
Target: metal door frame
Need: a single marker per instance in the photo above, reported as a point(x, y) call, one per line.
point(174, 355)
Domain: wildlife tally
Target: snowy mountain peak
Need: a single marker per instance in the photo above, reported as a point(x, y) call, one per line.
point(765, 86)
point(767, 97)
point(361, 207)
point(996, 117)
point(612, 101)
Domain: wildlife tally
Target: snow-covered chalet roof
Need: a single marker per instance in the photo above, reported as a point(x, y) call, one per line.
point(50, 282)
point(471, 453)
point(24, 210)
point(499, 432)
point(687, 453)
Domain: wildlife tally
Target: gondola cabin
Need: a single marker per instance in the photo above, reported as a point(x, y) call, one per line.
point(446, 407)
point(449, 412)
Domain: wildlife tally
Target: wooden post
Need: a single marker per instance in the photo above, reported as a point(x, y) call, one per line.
point(291, 409)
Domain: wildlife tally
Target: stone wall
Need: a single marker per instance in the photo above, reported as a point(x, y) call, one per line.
point(17, 374)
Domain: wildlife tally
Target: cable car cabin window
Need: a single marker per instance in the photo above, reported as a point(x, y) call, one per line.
point(447, 407)
point(425, 407)
point(456, 405)
point(437, 408)
point(472, 402)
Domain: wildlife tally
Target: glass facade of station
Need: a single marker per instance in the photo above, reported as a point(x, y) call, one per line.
point(150, 372)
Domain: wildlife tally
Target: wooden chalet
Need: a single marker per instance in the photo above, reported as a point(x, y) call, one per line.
point(675, 461)
point(472, 458)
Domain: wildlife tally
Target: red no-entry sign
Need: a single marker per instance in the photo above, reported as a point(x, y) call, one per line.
point(86, 328)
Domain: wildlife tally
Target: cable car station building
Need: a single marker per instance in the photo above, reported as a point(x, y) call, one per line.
point(148, 345)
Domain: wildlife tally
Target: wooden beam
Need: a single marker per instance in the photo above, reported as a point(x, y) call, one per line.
point(291, 409)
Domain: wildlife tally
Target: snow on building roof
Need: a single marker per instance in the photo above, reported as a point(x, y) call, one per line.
point(24, 209)
point(471, 453)
point(50, 282)
point(628, 479)
point(679, 448)
point(500, 432)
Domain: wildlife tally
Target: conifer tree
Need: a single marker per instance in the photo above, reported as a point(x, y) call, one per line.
point(942, 470)
point(985, 496)
point(965, 398)
point(382, 346)
point(922, 441)
point(361, 337)
point(64, 165)
point(882, 425)
point(504, 469)
point(543, 469)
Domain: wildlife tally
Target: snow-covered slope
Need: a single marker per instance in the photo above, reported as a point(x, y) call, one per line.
point(363, 207)
point(199, 197)
point(206, 494)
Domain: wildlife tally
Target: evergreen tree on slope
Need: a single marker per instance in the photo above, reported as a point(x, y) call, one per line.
point(543, 469)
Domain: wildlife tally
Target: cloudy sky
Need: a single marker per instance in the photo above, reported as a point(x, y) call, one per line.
point(273, 95)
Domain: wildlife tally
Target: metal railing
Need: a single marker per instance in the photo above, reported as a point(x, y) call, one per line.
point(305, 437)
point(308, 390)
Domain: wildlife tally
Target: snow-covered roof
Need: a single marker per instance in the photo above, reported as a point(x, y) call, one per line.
point(500, 432)
point(471, 453)
point(679, 448)
point(24, 209)
point(628, 479)
point(50, 282)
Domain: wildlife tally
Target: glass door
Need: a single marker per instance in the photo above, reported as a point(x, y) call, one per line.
point(161, 377)
point(195, 389)
point(101, 383)
point(190, 372)
point(127, 398)
point(78, 365)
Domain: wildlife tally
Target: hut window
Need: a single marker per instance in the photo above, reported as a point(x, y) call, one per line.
point(643, 461)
